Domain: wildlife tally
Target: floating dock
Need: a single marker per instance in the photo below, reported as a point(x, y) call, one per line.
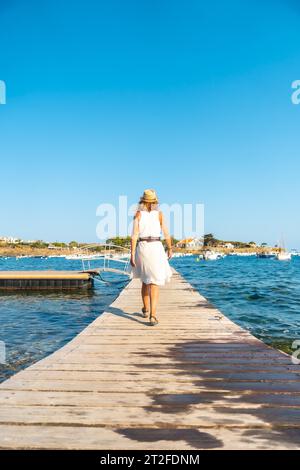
point(46, 280)
point(195, 381)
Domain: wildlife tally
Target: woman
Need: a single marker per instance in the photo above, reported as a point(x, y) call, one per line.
point(148, 258)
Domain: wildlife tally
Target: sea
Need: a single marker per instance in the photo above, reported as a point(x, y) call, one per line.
point(261, 295)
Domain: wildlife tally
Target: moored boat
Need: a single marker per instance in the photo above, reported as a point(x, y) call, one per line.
point(212, 255)
point(284, 256)
point(265, 255)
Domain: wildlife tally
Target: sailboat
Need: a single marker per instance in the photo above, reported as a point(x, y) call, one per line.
point(283, 254)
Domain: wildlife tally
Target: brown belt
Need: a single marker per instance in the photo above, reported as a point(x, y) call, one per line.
point(149, 239)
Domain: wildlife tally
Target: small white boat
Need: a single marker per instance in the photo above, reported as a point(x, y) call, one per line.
point(182, 255)
point(74, 256)
point(177, 255)
point(119, 256)
point(284, 256)
point(77, 256)
point(212, 255)
point(83, 256)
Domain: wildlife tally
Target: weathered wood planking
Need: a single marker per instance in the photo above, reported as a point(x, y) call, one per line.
point(195, 381)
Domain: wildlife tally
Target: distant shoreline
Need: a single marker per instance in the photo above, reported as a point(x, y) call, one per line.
point(19, 250)
point(29, 251)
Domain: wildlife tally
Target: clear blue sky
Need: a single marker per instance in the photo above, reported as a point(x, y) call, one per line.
point(192, 98)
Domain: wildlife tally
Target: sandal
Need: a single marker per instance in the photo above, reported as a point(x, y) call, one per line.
point(153, 320)
point(145, 312)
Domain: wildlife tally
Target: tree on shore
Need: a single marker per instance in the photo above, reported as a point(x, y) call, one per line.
point(59, 244)
point(38, 244)
point(210, 240)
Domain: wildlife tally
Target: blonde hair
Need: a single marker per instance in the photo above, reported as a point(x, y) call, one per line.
point(148, 206)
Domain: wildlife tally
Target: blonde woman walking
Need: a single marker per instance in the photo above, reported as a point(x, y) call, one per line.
point(148, 258)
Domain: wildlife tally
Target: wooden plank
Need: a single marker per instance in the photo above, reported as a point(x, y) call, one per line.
point(117, 367)
point(138, 399)
point(163, 375)
point(47, 437)
point(205, 417)
point(195, 381)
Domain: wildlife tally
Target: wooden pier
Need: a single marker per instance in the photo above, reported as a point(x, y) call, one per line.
point(46, 280)
point(195, 381)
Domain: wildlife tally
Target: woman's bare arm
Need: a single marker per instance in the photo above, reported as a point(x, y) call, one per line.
point(134, 237)
point(166, 234)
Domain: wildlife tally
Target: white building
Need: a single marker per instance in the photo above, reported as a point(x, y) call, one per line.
point(228, 245)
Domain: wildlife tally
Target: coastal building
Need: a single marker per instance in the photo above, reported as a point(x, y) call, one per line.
point(229, 245)
point(56, 247)
point(190, 243)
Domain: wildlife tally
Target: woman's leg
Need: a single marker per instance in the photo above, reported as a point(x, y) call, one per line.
point(154, 294)
point(146, 297)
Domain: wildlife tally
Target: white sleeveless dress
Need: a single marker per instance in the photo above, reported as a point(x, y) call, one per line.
point(152, 265)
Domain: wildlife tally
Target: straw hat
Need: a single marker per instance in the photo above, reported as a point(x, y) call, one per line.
point(149, 196)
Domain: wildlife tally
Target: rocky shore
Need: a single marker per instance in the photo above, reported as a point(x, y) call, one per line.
point(19, 250)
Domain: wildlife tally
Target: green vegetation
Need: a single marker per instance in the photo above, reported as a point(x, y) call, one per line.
point(59, 244)
point(211, 241)
point(38, 244)
point(120, 241)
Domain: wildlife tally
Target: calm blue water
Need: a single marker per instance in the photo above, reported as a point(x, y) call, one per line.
point(262, 295)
